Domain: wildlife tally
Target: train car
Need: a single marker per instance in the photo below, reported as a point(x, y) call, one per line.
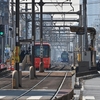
point(64, 56)
point(46, 55)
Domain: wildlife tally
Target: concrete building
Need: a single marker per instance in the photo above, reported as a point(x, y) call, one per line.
point(93, 11)
point(93, 18)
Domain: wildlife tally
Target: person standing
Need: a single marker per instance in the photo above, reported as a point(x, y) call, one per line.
point(22, 55)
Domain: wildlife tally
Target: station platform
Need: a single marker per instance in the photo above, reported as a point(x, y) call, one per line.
point(43, 91)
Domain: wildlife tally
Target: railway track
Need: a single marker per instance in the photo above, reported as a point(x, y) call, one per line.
point(60, 66)
point(58, 89)
point(4, 73)
point(40, 83)
point(56, 67)
point(23, 94)
point(8, 81)
point(7, 78)
point(43, 81)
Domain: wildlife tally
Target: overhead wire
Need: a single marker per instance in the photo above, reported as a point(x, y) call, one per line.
point(58, 9)
point(61, 5)
point(72, 7)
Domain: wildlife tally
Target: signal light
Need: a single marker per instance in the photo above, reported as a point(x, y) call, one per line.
point(2, 30)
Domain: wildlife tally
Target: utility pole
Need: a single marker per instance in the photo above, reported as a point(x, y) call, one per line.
point(85, 40)
point(13, 33)
point(33, 38)
point(17, 33)
point(16, 75)
point(17, 45)
point(26, 22)
point(80, 36)
point(41, 68)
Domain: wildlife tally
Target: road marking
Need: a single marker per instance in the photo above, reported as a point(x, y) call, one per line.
point(88, 98)
point(1, 97)
point(34, 98)
point(76, 96)
point(99, 72)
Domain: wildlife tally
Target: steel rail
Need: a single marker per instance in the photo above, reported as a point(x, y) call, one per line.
point(54, 96)
point(11, 83)
point(32, 87)
point(5, 76)
point(53, 68)
point(16, 98)
point(4, 72)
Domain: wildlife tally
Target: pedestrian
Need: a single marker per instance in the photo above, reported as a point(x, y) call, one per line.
point(98, 65)
point(27, 52)
point(29, 49)
point(22, 55)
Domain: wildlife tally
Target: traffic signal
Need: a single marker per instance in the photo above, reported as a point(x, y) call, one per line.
point(1, 30)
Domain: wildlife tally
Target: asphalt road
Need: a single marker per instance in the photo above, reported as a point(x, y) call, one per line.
point(90, 89)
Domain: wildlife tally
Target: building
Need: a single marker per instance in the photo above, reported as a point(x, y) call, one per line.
point(93, 12)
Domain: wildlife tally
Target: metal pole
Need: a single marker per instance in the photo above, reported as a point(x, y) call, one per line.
point(2, 49)
point(80, 36)
point(26, 23)
point(75, 53)
point(17, 31)
point(41, 68)
point(17, 45)
point(2, 39)
point(15, 74)
point(33, 36)
point(13, 33)
point(85, 24)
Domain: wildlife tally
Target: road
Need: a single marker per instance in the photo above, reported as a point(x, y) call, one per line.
point(90, 89)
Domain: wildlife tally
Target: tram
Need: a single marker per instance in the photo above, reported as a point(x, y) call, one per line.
point(46, 55)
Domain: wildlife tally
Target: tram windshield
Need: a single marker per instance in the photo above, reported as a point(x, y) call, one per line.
point(45, 51)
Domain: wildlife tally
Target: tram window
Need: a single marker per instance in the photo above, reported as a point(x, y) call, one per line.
point(37, 51)
point(45, 51)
